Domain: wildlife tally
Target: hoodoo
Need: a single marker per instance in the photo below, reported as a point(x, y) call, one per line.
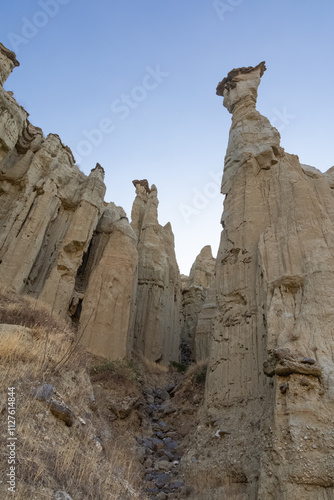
point(270, 381)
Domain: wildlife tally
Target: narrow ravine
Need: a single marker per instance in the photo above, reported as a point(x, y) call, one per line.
point(161, 449)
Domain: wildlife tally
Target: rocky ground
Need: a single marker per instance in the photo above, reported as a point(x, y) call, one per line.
point(171, 414)
point(160, 451)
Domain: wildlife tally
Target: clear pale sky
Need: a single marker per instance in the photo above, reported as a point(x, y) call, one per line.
point(131, 84)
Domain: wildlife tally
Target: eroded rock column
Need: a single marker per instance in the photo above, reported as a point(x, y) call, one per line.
point(270, 381)
point(157, 325)
point(106, 287)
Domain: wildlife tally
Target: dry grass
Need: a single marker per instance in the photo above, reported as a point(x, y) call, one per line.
point(152, 366)
point(119, 372)
point(37, 343)
point(51, 456)
point(194, 378)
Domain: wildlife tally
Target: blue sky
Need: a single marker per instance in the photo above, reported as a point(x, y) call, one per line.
point(131, 85)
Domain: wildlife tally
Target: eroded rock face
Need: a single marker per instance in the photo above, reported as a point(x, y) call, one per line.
point(156, 326)
point(271, 372)
point(194, 292)
point(106, 287)
point(205, 324)
point(8, 62)
point(58, 240)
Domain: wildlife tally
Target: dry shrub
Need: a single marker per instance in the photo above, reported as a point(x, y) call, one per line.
point(36, 343)
point(194, 378)
point(18, 310)
point(196, 369)
point(152, 366)
point(118, 371)
point(78, 466)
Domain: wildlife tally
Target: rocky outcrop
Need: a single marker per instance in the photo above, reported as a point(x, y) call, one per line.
point(48, 213)
point(106, 287)
point(62, 244)
point(194, 291)
point(8, 62)
point(58, 241)
point(270, 379)
point(156, 325)
point(205, 324)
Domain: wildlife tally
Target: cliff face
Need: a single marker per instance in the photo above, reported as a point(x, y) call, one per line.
point(270, 379)
point(107, 285)
point(156, 325)
point(62, 244)
point(194, 292)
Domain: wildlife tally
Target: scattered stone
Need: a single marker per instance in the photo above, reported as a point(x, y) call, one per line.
point(98, 444)
point(177, 484)
point(161, 495)
point(62, 495)
point(220, 433)
point(152, 491)
point(148, 463)
point(44, 392)
point(308, 361)
point(140, 454)
point(172, 445)
point(163, 465)
point(161, 480)
point(62, 412)
point(170, 388)
point(162, 394)
point(122, 409)
point(169, 410)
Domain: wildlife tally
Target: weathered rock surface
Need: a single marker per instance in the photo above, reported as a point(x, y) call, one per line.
point(62, 244)
point(194, 292)
point(156, 326)
point(271, 375)
point(106, 287)
point(49, 209)
point(205, 324)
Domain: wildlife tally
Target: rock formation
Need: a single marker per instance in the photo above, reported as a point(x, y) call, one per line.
point(205, 324)
point(62, 244)
point(194, 291)
point(156, 326)
point(270, 381)
point(106, 287)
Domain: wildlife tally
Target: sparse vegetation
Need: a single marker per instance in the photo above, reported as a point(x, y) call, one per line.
point(119, 371)
point(180, 367)
point(87, 460)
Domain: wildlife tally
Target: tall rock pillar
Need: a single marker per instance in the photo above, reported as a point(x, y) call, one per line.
point(157, 325)
point(271, 372)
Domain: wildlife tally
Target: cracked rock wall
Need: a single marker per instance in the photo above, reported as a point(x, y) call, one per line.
point(269, 388)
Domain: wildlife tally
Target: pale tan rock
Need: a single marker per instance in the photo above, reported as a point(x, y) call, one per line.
point(49, 209)
point(156, 326)
point(194, 291)
point(13, 118)
point(60, 244)
point(8, 62)
point(274, 280)
point(206, 324)
point(108, 285)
